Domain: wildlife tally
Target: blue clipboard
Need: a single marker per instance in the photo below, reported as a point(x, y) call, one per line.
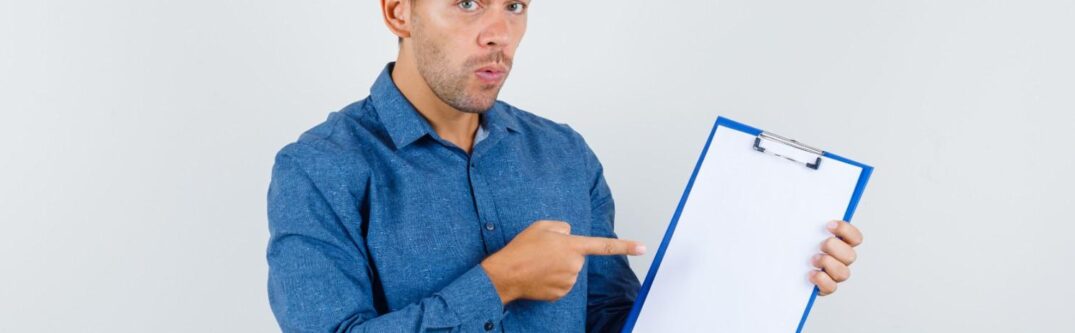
point(863, 178)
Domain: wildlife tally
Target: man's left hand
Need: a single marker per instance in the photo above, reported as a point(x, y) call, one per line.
point(837, 254)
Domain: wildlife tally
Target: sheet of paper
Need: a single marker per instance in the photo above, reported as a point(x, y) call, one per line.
point(739, 258)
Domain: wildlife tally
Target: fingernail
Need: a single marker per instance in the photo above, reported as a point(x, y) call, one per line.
point(832, 225)
point(815, 258)
point(640, 249)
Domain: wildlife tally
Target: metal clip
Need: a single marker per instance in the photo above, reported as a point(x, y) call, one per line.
point(789, 149)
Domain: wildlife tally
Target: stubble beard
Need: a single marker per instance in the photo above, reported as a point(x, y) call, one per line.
point(450, 83)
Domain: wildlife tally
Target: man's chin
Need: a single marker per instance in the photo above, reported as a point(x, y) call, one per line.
point(478, 110)
point(476, 106)
point(481, 101)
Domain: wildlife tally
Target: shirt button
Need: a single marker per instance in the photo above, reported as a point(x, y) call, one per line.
point(490, 226)
point(489, 326)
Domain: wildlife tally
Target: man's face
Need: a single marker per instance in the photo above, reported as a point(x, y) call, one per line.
point(464, 49)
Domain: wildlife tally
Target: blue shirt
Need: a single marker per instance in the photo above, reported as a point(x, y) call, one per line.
point(379, 225)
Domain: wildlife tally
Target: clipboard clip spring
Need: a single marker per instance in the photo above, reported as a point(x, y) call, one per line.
point(789, 149)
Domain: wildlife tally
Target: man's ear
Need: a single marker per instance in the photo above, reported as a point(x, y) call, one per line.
point(397, 16)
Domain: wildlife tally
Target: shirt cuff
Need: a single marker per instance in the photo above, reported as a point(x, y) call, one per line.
point(473, 298)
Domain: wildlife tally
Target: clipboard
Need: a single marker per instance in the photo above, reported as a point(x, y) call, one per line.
point(767, 196)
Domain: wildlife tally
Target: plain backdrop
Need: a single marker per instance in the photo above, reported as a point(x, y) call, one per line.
point(137, 139)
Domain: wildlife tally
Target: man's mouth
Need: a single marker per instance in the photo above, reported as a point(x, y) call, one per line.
point(491, 74)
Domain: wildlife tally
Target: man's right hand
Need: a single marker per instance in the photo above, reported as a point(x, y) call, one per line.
point(543, 261)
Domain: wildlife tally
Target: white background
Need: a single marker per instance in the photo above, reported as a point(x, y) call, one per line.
point(137, 140)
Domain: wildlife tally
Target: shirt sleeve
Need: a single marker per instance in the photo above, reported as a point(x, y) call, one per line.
point(613, 286)
point(320, 279)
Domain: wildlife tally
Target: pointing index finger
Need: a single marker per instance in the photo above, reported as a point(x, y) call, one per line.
point(607, 246)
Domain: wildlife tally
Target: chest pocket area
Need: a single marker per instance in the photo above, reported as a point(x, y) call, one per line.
point(549, 199)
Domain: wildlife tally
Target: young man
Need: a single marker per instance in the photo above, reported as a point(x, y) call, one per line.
point(431, 206)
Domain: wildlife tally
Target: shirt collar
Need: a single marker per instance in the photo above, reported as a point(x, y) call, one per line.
point(405, 125)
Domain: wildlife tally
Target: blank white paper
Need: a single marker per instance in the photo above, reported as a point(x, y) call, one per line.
point(739, 257)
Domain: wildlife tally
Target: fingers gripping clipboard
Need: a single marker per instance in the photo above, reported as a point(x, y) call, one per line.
point(736, 255)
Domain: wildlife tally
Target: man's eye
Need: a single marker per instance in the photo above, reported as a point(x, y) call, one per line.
point(517, 7)
point(469, 6)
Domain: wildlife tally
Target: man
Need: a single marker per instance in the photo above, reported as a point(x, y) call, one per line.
point(431, 206)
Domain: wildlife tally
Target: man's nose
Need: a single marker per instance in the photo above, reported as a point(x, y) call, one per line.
point(496, 32)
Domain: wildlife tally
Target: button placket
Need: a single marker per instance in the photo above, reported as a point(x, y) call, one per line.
point(486, 211)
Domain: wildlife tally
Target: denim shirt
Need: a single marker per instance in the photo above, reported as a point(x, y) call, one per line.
point(379, 225)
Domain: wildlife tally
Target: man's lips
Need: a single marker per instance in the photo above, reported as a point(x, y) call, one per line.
point(491, 74)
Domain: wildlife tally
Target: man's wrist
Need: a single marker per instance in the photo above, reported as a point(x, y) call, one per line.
point(500, 282)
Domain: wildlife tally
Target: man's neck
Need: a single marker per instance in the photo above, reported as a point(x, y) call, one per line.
point(455, 126)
